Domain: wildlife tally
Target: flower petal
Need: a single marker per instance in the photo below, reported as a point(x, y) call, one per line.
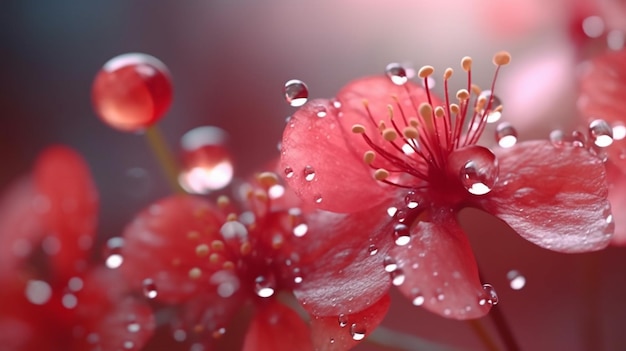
point(617, 189)
point(437, 270)
point(347, 330)
point(276, 327)
point(171, 241)
point(69, 206)
point(555, 197)
point(342, 265)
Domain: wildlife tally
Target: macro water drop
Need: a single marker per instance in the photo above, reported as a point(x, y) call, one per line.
point(296, 92)
point(396, 73)
point(506, 135)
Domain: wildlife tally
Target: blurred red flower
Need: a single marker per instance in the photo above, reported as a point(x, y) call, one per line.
point(391, 149)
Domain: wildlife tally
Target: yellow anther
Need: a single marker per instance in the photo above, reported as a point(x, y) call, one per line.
point(466, 63)
point(195, 273)
point(358, 129)
point(414, 122)
point(425, 71)
point(202, 250)
point(439, 112)
point(476, 89)
point(267, 179)
point(245, 248)
point(448, 73)
point(501, 58)
point(390, 134)
point(217, 245)
point(233, 216)
point(390, 111)
point(410, 133)
point(223, 201)
point(193, 235)
point(381, 174)
point(462, 94)
point(366, 103)
point(426, 111)
point(454, 108)
point(368, 157)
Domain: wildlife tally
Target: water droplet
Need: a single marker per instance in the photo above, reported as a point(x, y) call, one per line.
point(400, 216)
point(133, 327)
point(336, 104)
point(492, 297)
point(113, 252)
point(234, 230)
point(593, 26)
point(372, 249)
point(132, 91)
point(411, 199)
point(296, 92)
point(397, 277)
point(391, 211)
point(557, 138)
point(288, 172)
point(619, 131)
point(418, 299)
point(38, 292)
point(401, 234)
point(390, 264)
point(276, 191)
point(601, 133)
point(69, 301)
point(579, 139)
point(516, 280)
point(321, 112)
point(615, 39)
point(357, 332)
point(309, 173)
point(128, 344)
point(207, 163)
point(343, 320)
point(396, 73)
point(300, 230)
point(318, 198)
point(492, 116)
point(480, 172)
point(179, 335)
point(149, 288)
point(75, 284)
point(506, 135)
point(264, 286)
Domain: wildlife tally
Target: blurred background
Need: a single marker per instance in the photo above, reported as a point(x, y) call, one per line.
point(229, 61)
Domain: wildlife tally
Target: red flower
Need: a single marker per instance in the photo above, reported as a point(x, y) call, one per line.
point(602, 95)
point(392, 149)
point(205, 262)
point(58, 299)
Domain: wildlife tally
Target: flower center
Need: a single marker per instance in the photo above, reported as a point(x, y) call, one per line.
point(429, 145)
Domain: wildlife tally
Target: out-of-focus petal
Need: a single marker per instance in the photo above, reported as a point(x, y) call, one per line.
point(437, 269)
point(170, 246)
point(276, 327)
point(345, 331)
point(555, 197)
point(68, 205)
point(617, 191)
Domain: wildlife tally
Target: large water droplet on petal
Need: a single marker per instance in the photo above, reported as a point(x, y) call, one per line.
point(296, 92)
point(132, 91)
point(479, 172)
point(264, 286)
point(149, 288)
point(506, 135)
point(113, 252)
point(557, 138)
point(207, 163)
point(390, 264)
point(401, 234)
point(601, 133)
point(516, 280)
point(491, 296)
point(309, 173)
point(357, 331)
point(396, 73)
point(397, 277)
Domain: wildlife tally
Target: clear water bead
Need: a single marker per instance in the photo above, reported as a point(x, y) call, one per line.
point(492, 297)
point(506, 135)
point(411, 200)
point(516, 280)
point(113, 252)
point(296, 92)
point(557, 137)
point(288, 172)
point(418, 299)
point(480, 173)
point(309, 173)
point(401, 234)
point(601, 133)
point(372, 250)
point(397, 277)
point(619, 131)
point(492, 116)
point(264, 286)
point(343, 320)
point(396, 73)
point(357, 331)
point(390, 264)
point(149, 288)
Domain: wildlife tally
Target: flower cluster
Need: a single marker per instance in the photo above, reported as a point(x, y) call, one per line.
point(365, 197)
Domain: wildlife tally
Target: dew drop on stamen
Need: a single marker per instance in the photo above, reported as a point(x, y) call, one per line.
point(506, 135)
point(480, 174)
point(309, 173)
point(396, 73)
point(601, 133)
point(264, 286)
point(113, 252)
point(516, 280)
point(149, 288)
point(390, 264)
point(357, 332)
point(207, 163)
point(401, 234)
point(397, 277)
point(492, 115)
point(296, 92)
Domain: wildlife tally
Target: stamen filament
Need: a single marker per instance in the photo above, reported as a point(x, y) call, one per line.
point(164, 156)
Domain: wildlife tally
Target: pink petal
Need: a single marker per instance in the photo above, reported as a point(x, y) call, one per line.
point(555, 197)
point(617, 189)
point(161, 245)
point(342, 265)
point(69, 206)
point(276, 327)
point(439, 268)
point(347, 330)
